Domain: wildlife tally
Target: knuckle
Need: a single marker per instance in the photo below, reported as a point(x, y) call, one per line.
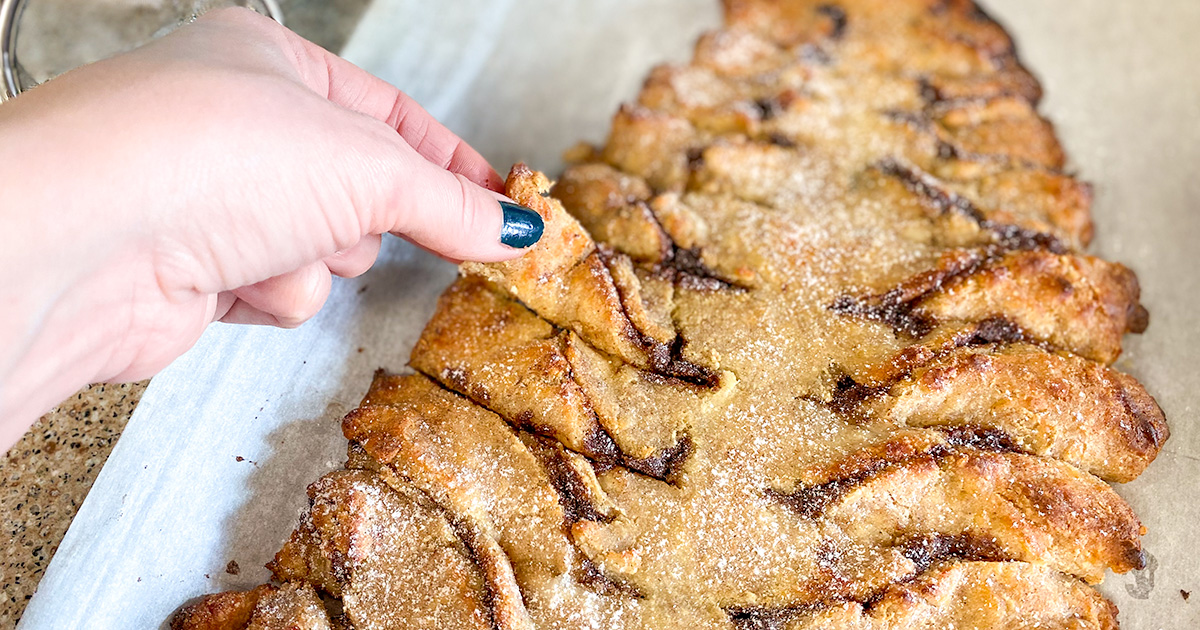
point(458, 158)
point(234, 15)
point(471, 210)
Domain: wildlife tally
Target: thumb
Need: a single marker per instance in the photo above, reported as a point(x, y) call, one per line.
point(448, 214)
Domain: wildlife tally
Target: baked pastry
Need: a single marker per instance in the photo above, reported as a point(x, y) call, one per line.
point(809, 343)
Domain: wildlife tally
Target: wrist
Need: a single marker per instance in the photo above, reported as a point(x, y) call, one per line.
point(57, 328)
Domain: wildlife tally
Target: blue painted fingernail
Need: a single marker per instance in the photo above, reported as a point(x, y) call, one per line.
point(522, 226)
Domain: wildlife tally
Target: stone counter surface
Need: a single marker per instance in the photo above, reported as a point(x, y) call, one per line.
point(47, 475)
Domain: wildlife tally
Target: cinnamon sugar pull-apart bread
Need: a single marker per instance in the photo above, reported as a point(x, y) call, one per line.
point(809, 343)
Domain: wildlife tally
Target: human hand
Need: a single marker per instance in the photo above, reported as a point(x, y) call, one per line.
point(223, 172)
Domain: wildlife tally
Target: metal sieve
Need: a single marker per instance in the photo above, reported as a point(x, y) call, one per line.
point(14, 79)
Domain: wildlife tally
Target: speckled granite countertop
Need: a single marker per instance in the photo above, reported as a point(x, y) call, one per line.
point(47, 475)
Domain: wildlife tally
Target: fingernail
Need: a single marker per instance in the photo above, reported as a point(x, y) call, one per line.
point(522, 226)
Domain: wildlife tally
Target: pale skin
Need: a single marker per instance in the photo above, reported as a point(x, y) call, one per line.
point(223, 173)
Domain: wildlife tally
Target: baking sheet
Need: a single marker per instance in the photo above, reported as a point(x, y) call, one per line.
point(212, 467)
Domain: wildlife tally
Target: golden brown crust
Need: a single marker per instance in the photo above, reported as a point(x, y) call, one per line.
point(1045, 403)
point(979, 595)
point(612, 206)
point(1021, 507)
point(295, 606)
point(518, 495)
point(1077, 303)
point(375, 547)
point(567, 282)
point(230, 610)
point(576, 285)
point(731, 211)
point(551, 382)
point(754, 234)
point(292, 606)
point(881, 519)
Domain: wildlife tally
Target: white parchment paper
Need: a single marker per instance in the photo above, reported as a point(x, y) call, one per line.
point(213, 465)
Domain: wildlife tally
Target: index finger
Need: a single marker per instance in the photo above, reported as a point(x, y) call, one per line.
point(353, 88)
